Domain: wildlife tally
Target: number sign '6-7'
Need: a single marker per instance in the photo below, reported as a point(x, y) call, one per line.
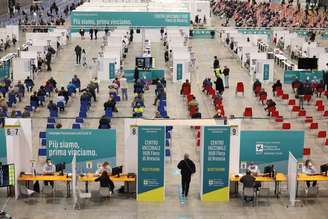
point(12, 131)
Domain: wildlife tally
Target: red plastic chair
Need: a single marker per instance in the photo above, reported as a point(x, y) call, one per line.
point(192, 110)
point(274, 113)
point(189, 97)
point(319, 103)
point(211, 91)
point(197, 142)
point(307, 98)
point(306, 151)
point(197, 127)
point(326, 142)
point(279, 119)
point(248, 112)
point(198, 134)
point(286, 125)
point(325, 114)
point(285, 97)
point(279, 92)
point(308, 119)
point(302, 113)
point(186, 90)
point(314, 125)
point(295, 109)
point(320, 108)
point(322, 134)
point(291, 102)
point(257, 89)
point(240, 88)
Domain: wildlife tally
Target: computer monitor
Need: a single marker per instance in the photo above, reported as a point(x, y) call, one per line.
point(324, 169)
point(60, 168)
point(140, 62)
point(269, 170)
point(7, 175)
point(116, 171)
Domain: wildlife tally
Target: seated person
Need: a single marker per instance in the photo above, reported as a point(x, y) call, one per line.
point(270, 106)
point(104, 122)
point(29, 84)
point(112, 90)
point(34, 98)
point(253, 168)
point(111, 103)
point(52, 106)
point(218, 114)
point(105, 181)
point(320, 88)
point(138, 99)
point(206, 84)
point(64, 93)
point(71, 88)
point(49, 169)
point(41, 94)
point(196, 115)
point(248, 181)
point(185, 88)
point(104, 167)
point(20, 90)
point(193, 103)
point(138, 111)
point(295, 84)
point(62, 100)
point(276, 86)
point(262, 94)
point(309, 169)
point(256, 85)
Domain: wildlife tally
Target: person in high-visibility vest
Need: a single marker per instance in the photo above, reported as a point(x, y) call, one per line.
point(217, 72)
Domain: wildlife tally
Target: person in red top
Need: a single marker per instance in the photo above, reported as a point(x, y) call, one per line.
point(186, 88)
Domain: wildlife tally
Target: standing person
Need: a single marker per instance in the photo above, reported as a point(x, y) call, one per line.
point(219, 85)
point(325, 78)
point(216, 63)
point(95, 30)
point(48, 60)
point(300, 94)
point(78, 51)
point(187, 168)
point(106, 30)
point(77, 82)
point(124, 88)
point(136, 74)
point(226, 72)
point(166, 55)
point(84, 58)
point(91, 33)
point(162, 32)
point(82, 33)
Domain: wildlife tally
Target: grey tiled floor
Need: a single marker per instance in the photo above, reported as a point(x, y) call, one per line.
point(183, 141)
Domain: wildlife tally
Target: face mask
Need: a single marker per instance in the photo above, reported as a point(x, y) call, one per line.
point(49, 163)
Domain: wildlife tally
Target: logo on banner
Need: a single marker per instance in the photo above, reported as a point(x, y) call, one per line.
point(259, 148)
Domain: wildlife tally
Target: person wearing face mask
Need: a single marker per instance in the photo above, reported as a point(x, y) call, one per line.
point(104, 167)
point(49, 169)
point(309, 169)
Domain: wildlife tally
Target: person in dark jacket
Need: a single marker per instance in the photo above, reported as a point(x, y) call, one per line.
point(136, 74)
point(300, 94)
point(104, 122)
point(248, 181)
point(216, 63)
point(276, 86)
point(48, 60)
point(91, 33)
point(105, 181)
point(78, 52)
point(219, 85)
point(187, 168)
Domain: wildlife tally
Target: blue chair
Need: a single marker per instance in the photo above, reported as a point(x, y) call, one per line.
point(109, 112)
point(42, 135)
point(169, 128)
point(12, 98)
point(117, 98)
point(18, 114)
point(104, 126)
point(60, 105)
point(79, 120)
point(42, 152)
point(51, 120)
point(167, 142)
point(44, 142)
point(50, 126)
point(76, 126)
point(34, 104)
point(41, 99)
point(168, 135)
point(83, 114)
point(168, 153)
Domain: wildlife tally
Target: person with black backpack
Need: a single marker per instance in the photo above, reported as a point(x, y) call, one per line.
point(187, 168)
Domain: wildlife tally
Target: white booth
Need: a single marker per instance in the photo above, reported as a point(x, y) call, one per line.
point(264, 70)
point(181, 65)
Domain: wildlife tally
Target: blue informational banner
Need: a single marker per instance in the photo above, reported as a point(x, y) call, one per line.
point(128, 19)
point(203, 33)
point(215, 163)
point(151, 148)
point(91, 146)
point(111, 71)
point(290, 76)
point(266, 72)
point(3, 146)
point(179, 71)
point(270, 147)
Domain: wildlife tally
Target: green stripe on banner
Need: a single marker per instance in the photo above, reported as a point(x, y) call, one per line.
point(129, 19)
point(3, 146)
point(215, 163)
point(151, 147)
point(91, 146)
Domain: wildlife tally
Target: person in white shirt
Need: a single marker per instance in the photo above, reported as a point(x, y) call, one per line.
point(61, 99)
point(49, 168)
point(253, 168)
point(124, 88)
point(104, 167)
point(309, 169)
